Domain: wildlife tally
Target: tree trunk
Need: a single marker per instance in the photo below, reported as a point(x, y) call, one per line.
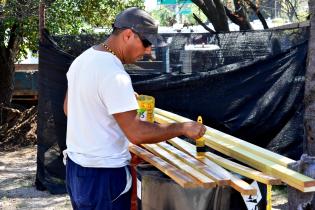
point(7, 59)
point(6, 77)
point(41, 22)
point(309, 98)
point(241, 12)
point(306, 165)
point(258, 13)
point(214, 10)
point(239, 20)
point(221, 18)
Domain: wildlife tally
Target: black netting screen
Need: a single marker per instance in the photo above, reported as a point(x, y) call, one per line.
point(248, 84)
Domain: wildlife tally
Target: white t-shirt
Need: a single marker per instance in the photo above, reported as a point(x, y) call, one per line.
point(98, 86)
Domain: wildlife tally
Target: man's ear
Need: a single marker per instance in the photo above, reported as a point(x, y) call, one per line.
point(127, 34)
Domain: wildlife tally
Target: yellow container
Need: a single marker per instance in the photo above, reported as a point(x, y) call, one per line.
point(146, 108)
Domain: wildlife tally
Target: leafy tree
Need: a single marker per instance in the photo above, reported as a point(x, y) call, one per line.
point(289, 9)
point(215, 12)
point(292, 10)
point(164, 16)
point(190, 17)
point(218, 12)
point(75, 16)
point(19, 27)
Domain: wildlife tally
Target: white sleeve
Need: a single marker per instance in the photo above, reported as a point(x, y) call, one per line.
point(117, 93)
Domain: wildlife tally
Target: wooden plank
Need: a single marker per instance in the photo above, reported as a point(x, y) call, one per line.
point(205, 181)
point(228, 164)
point(25, 92)
point(308, 189)
point(213, 173)
point(19, 67)
point(180, 177)
point(204, 165)
point(292, 178)
point(267, 154)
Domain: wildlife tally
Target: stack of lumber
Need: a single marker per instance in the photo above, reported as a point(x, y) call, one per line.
point(273, 167)
point(191, 171)
point(178, 160)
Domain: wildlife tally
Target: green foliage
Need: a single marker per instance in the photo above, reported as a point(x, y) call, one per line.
point(19, 26)
point(195, 10)
point(284, 9)
point(75, 16)
point(164, 16)
point(62, 17)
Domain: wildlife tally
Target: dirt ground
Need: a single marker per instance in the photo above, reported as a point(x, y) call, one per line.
point(17, 128)
point(18, 166)
point(17, 190)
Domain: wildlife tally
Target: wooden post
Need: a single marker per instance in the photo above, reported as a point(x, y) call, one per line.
point(306, 164)
point(41, 11)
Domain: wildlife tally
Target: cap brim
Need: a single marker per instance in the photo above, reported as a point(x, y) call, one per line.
point(156, 40)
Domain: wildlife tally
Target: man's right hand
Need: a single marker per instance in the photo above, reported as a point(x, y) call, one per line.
point(193, 130)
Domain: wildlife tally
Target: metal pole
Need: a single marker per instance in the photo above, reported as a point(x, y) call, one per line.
point(275, 8)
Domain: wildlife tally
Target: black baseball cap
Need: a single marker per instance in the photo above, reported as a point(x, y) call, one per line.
point(140, 22)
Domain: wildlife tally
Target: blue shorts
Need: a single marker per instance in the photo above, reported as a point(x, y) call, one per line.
point(97, 188)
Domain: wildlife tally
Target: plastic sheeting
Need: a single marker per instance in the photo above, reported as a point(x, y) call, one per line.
point(259, 101)
point(253, 89)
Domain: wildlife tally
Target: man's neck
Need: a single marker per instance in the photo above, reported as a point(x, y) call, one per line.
point(110, 45)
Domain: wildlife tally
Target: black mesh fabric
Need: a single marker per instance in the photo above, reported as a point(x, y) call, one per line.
point(51, 130)
point(259, 101)
point(250, 85)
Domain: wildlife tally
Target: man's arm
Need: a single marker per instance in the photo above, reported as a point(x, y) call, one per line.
point(65, 104)
point(141, 132)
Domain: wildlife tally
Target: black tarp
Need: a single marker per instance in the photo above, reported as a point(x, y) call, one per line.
point(258, 101)
point(51, 130)
point(258, 98)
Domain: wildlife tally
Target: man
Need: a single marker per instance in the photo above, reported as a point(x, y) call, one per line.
point(101, 109)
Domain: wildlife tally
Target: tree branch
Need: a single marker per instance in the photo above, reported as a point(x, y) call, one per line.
point(214, 12)
point(292, 8)
point(204, 8)
point(237, 19)
point(201, 23)
point(258, 13)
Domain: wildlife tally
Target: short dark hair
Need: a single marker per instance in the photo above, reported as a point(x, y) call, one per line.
point(116, 31)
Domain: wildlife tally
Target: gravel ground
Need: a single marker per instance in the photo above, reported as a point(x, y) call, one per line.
point(17, 190)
